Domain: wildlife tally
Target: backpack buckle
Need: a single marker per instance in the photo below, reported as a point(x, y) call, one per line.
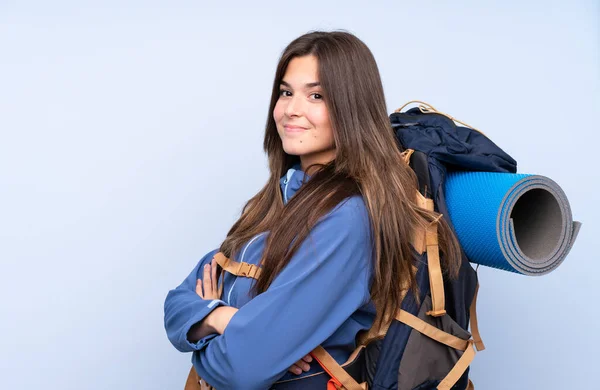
point(244, 269)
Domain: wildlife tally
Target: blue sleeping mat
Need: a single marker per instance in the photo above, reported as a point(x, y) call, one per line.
point(514, 222)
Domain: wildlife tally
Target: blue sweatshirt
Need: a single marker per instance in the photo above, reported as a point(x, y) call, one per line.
point(320, 298)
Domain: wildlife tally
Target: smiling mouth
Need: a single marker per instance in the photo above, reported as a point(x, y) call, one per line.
point(294, 129)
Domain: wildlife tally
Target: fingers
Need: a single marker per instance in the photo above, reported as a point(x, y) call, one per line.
point(294, 369)
point(199, 288)
point(207, 280)
point(307, 358)
point(208, 286)
point(301, 365)
point(215, 281)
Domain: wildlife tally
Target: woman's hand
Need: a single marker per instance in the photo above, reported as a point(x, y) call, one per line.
point(301, 365)
point(216, 322)
point(208, 287)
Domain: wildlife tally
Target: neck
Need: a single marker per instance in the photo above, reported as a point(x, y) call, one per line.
point(323, 158)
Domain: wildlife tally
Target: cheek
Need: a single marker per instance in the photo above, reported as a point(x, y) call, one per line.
point(278, 112)
point(320, 119)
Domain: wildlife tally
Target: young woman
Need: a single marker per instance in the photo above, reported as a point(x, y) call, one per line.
point(330, 230)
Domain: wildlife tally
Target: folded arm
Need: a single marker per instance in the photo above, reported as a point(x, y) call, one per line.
point(184, 308)
point(326, 281)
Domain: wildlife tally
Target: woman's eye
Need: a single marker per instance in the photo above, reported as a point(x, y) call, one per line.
point(317, 95)
point(282, 92)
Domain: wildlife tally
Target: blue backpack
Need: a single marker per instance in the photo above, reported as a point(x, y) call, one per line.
point(412, 355)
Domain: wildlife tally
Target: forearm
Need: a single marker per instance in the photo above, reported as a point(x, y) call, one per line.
point(301, 308)
point(215, 322)
point(183, 309)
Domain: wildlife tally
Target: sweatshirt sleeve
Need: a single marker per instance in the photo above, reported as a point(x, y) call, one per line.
point(325, 282)
point(183, 308)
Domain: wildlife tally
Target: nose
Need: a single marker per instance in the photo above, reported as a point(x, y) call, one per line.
point(294, 106)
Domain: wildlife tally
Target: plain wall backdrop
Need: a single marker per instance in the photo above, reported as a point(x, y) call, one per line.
point(131, 137)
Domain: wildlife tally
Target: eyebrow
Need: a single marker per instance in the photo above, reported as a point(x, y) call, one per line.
point(307, 85)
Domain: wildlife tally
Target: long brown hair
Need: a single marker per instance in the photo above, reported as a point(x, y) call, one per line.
point(368, 162)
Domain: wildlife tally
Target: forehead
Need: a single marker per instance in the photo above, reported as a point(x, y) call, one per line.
point(302, 70)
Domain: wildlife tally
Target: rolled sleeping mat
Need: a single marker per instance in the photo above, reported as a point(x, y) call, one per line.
point(514, 222)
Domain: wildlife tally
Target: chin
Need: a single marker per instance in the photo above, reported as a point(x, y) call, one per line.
point(294, 150)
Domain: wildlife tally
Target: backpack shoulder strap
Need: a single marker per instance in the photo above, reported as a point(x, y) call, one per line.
point(237, 268)
point(340, 379)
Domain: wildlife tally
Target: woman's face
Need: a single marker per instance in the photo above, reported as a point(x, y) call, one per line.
point(301, 115)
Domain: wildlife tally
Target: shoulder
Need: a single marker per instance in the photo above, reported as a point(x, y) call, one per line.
point(352, 207)
point(351, 215)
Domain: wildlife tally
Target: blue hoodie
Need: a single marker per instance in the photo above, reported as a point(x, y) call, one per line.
point(320, 298)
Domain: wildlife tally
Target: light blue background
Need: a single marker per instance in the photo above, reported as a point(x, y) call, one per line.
point(131, 136)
